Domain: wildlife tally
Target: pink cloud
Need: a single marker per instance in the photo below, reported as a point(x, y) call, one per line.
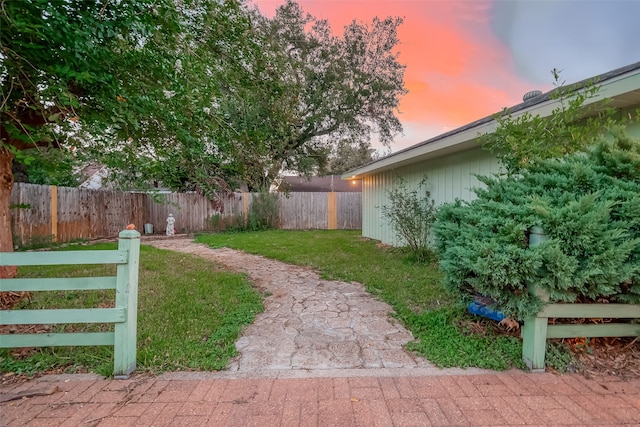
point(457, 70)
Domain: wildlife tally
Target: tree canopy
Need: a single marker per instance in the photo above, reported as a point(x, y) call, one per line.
point(346, 156)
point(285, 90)
point(311, 89)
point(98, 78)
point(61, 64)
point(196, 94)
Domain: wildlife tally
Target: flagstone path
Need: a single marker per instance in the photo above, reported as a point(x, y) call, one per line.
point(308, 323)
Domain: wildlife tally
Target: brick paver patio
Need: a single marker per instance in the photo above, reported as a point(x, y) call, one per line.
point(194, 399)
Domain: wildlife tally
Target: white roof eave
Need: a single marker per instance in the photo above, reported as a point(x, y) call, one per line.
point(467, 138)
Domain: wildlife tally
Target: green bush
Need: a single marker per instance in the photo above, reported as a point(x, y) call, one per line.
point(558, 356)
point(264, 213)
point(228, 224)
point(411, 214)
point(588, 204)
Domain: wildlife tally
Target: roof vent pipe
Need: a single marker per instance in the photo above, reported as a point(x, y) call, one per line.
point(531, 94)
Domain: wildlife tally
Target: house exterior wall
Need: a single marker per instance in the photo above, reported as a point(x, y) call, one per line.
point(634, 130)
point(451, 160)
point(449, 177)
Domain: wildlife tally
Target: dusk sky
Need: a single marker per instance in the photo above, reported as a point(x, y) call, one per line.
point(467, 59)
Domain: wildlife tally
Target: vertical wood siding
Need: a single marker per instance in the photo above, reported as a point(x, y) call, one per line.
point(633, 129)
point(449, 178)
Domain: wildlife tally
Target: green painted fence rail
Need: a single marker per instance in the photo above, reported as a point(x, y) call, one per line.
point(123, 315)
point(537, 330)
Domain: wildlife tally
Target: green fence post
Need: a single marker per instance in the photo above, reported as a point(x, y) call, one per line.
point(124, 348)
point(534, 330)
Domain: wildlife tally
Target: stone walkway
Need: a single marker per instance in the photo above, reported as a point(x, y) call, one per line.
point(309, 323)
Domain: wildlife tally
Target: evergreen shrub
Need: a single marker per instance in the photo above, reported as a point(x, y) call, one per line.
point(589, 206)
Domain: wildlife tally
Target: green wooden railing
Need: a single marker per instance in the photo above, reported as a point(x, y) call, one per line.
point(123, 315)
point(536, 328)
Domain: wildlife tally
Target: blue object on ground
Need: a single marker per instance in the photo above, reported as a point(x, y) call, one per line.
point(484, 311)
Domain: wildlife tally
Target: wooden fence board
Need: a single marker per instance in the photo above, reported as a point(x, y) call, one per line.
point(51, 284)
point(56, 339)
point(93, 214)
point(349, 211)
point(30, 213)
point(592, 311)
point(65, 258)
point(303, 211)
point(124, 315)
point(592, 331)
point(62, 315)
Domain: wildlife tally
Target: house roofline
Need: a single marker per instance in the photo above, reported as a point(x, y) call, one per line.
point(612, 84)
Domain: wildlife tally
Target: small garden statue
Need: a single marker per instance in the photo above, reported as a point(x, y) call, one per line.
point(170, 225)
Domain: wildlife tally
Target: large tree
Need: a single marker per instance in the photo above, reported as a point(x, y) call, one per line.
point(282, 92)
point(54, 59)
point(193, 93)
point(125, 81)
point(185, 144)
point(304, 89)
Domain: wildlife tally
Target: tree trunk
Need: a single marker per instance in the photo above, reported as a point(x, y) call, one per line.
point(6, 185)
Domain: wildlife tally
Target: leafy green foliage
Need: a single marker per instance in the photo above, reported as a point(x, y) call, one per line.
point(264, 211)
point(588, 204)
point(346, 156)
point(522, 141)
point(306, 88)
point(189, 315)
point(60, 57)
point(196, 95)
point(168, 125)
point(558, 356)
point(124, 82)
point(48, 167)
point(411, 214)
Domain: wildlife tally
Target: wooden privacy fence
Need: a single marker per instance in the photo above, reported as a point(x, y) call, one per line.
point(123, 315)
point(536, 329)
point(50, 213)
point(322, 211)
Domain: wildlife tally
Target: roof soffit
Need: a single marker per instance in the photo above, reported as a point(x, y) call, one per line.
point(622, 88)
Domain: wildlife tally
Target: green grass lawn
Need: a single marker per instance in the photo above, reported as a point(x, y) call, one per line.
point(441, 329)
point(344, 255)
point(190, 314)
